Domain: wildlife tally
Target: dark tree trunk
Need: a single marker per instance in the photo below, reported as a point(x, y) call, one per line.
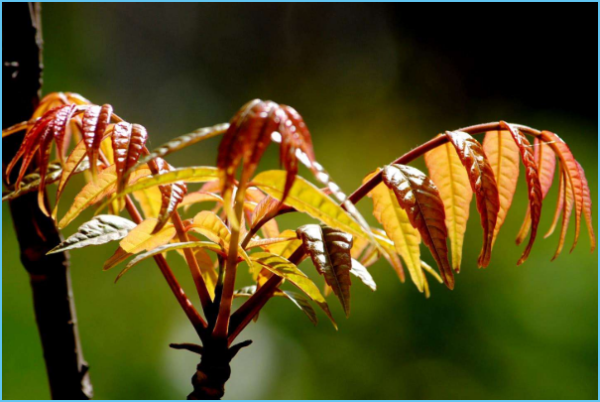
point(36, 233)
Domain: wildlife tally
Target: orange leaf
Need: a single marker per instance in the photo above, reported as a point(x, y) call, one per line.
point(534, 188)
point(587, 208)
point(419, 197)
point(569, 165)
point(95, 122)
point(566, 215)
point(483, 184)
point(128, 142)
point(452, 181)
point(503, 154)
point(560, 202)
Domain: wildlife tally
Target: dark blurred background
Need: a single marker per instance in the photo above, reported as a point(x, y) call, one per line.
point(372, 81)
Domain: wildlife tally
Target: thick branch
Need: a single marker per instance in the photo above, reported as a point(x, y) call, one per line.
point(36, 233)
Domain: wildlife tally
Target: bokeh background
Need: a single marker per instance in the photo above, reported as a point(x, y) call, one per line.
point(372, 81)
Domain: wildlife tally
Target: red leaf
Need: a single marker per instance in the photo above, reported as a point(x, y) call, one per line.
point(568, 194)
point(172, 195)
point(419, 197)
point(128, 142)
point(95, 121)
point(560, 202)
point(483, 183)
point(546, 163)
point(533, 184)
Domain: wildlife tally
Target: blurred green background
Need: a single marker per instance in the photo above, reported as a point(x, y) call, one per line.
point(372, 82)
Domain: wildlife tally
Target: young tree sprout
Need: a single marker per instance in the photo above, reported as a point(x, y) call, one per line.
point(241, 229)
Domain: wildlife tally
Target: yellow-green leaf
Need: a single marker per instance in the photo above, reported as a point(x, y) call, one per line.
point(94, 191)
point(287, 270)
point(306, 197)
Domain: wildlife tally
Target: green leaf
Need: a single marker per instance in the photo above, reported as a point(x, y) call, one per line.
point(306, 197)
point(31, 182)
point(289, 271)
point(329, 249)
point(184, 141)
point(100, 230)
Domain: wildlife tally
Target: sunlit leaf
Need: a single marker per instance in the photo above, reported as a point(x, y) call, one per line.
point(150, 201)
point(363, 274)
point(285, 269)
point(570, 167)
point(483, 184)
point(534, 188)
point(93, 192)
point(545, 160)
point(305, 197)
point(95, 122)
point(128, 142)
point(503, 155)
point(419, 197)
point(142, 237)
point(101, 229)
point(31, 182)
point(452, 181)
point(566, 214)
point(401, 232)
point(285, 249)
point(198, 197)
point(329, 249)
point(587, 208)
point(560, 203)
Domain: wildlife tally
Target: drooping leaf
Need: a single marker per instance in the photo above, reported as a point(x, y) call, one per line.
point(545, 160)
point(95, 122)
point(329, 249)
point(298, 299)
point(587, 208)
point(171, 196)
point(184, 141)
point(101, 229)
point(452, 181)
point(566, 214)
point(419, 197)
point(302, 303)
point(258, 242)
point(305, 197)
point(128, 142)
point(534, 188)
point(142, 238)
point(560, 203)
point(405, 237)
point(503, 155)
point(285, 269)
point(388, 250)
point(200, 196)
point(569, 165)
point(31, 182)
point(483, 184)
point(93, 192)
point(363, 274)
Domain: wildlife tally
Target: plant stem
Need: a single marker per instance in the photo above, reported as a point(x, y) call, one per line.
point(185, 303)
point(222, 323)
point(201, 288)
point(36, 233)
point(410, 156)
point(247, 311)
